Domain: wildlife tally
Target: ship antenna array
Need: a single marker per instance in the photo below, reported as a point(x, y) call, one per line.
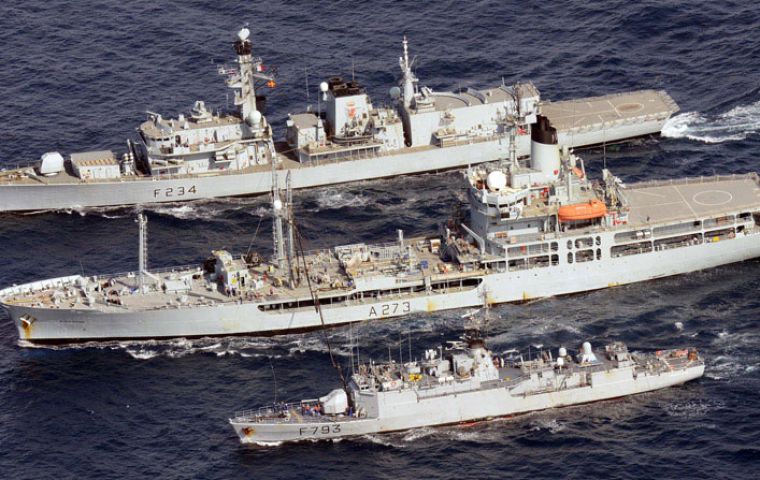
point(318, 308)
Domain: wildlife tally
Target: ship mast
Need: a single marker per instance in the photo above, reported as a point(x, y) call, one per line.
point(143, 249)
point(278, 210)
point(408, 80)
point(290, 234)
point(245, 92)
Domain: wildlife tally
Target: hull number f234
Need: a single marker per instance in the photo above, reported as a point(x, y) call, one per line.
point(169, 192)
point(396, 308)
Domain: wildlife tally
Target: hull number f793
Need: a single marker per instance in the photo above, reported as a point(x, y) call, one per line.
point(319, 430)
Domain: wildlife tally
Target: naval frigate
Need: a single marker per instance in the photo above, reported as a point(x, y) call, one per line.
point(466, 383)
point(534, 227)
point(208, 154)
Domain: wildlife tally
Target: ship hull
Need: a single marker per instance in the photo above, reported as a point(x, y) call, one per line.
point(62, 194)
point(483, 404)
point(52, 325)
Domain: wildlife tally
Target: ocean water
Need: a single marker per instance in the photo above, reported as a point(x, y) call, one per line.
point(80, 75)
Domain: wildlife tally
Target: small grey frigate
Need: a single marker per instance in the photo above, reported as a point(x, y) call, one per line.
point(534, 227)
point(207, 154)
point(466, 383)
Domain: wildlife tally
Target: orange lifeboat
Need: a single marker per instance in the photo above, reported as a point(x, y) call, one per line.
point(582, 211)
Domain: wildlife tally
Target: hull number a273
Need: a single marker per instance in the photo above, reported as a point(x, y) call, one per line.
point(397, 308)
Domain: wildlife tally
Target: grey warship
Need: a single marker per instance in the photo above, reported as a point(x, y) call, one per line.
point(466, 383)
point(532, 228)
point(208, 154)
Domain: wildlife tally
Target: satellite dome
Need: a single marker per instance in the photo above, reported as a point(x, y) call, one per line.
point(323, 87)
point(394, 92)
point(496, 180)
point(243, 34)
point(254, 118)
point(277, 204)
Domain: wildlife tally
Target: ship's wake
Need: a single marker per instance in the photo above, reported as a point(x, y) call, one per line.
point(334, 199)
point(736, 124)
point(245, 347)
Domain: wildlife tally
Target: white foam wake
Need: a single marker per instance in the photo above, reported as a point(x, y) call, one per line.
point(736, 124)
point(333, 199)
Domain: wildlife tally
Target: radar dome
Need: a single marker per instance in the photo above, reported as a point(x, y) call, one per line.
point(277, 204)
point(496, 180)
point(394, 92)
point(243, 34)
point(323, 87)
point(254, 118)
point(562, 352)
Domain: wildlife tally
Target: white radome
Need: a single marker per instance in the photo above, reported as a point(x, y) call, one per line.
point(243, 34)
point(323, 87)
point(255, 117)
point(277, 204)
point(496, 180)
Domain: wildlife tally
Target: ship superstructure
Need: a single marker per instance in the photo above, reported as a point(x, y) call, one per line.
point(533, 228)
point(352, 127)
point(208, 154)
point(204, 141)
point(466, 382)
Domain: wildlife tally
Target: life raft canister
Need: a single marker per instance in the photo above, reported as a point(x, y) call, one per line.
point(582, 211)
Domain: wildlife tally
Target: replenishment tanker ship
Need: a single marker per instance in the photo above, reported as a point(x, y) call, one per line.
point(534, 228)
point(466, 383)
point(207, 154)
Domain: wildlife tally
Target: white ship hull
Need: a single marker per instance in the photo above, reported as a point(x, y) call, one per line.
point(56, 194)
point(464, 407)
point(53, 325)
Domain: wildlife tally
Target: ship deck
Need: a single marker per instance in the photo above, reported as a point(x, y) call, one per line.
point(693, 198)
point(324, 270)
point(610, 110)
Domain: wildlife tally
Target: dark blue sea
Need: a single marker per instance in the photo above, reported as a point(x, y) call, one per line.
point(80, 75)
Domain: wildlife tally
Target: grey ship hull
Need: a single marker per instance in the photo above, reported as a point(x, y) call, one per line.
point(485, 404)
point(53, 325)
point(576, 127)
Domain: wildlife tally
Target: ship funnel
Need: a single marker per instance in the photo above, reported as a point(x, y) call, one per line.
point(544, 151)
